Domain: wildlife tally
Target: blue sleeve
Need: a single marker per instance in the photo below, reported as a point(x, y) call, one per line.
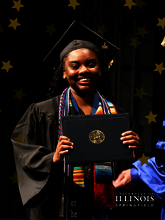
point(152, 175)
point(135, 176)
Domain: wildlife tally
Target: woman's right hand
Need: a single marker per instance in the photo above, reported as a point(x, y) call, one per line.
point(64, 144)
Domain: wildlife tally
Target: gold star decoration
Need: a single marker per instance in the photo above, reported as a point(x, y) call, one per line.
point(50, 29)
point(19, 94)
point(134, 42)
point(141, 31)
point(161, 22)
point(144, 160)
point(73, 3)
point(140, 92)
point(14, 23)
point(17, 5)
point(151, 117)
point(15, 178)
point(1, 30)
point(139, 3)
point(129, 3)
point(6, 66)
point(20, 138)
point(163, 42)
point(101, 29)
point(159, 68)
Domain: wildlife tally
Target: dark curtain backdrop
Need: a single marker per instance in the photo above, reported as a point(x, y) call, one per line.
point(25, 47)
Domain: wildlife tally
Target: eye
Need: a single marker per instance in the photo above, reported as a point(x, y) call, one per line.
point(74, 66)
point(91, 65)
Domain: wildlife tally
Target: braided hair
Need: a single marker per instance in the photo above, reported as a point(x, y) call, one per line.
point(57, 83)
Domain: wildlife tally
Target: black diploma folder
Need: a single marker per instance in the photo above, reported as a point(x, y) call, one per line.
point(96, 138)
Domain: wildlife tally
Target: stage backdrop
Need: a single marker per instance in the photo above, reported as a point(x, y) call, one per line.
point(28, 31)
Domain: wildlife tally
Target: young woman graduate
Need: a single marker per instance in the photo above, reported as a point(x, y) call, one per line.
point(151, 174)
point(39, 146)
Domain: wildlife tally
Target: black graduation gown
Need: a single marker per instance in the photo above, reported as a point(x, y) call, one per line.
point(34, 141)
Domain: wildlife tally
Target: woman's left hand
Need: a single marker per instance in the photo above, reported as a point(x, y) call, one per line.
point(124, 180)
point(131, 138)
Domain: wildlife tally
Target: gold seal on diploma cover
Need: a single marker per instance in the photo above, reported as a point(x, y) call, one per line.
point(96, 137)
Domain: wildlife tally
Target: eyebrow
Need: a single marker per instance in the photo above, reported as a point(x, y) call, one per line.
point(75, 61)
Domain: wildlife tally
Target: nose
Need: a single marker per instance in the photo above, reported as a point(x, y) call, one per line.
point(83, 69)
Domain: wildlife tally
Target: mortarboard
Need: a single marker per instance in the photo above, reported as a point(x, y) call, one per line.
point(77, 34)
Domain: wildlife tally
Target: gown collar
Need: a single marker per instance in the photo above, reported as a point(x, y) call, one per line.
point(95, 103)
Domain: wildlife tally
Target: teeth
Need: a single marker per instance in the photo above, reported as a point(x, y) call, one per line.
point(82, 80)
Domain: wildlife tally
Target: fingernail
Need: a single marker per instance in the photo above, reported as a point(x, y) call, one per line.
point(72, 144)
point(124, 142)
point(122, 134)
point(121, 138)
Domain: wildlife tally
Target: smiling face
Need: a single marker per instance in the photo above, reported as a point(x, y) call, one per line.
point(82, 71)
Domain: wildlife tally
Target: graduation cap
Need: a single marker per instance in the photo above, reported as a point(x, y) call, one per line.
point(79, 36)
